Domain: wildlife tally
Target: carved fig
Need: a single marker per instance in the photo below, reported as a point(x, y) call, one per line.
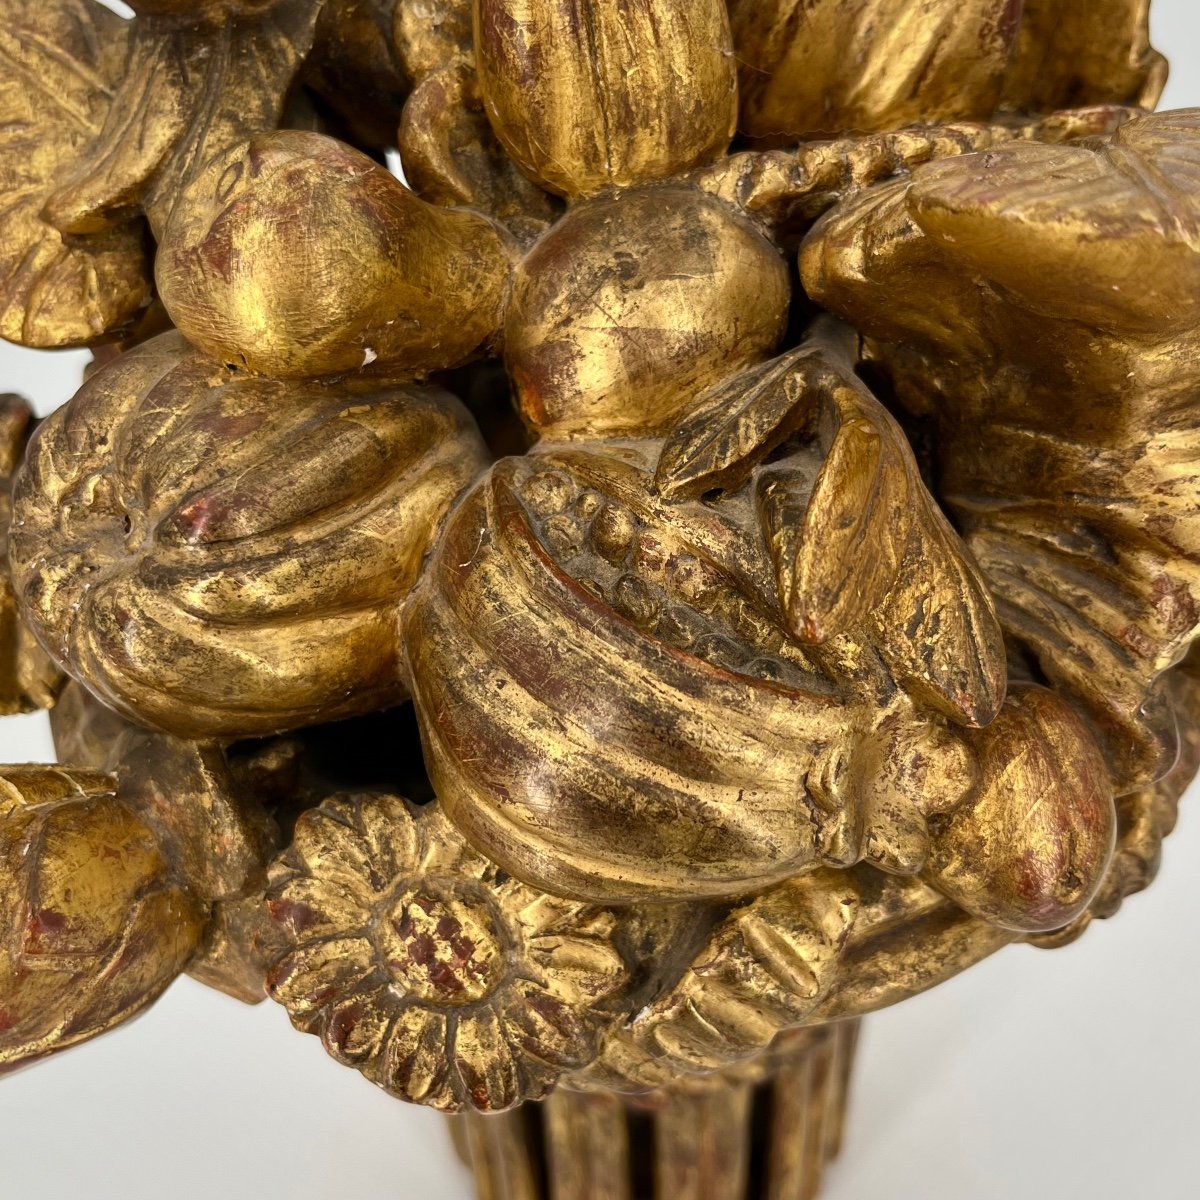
point(1030, 849)
point(631, 305)
point(295, 256)
point(214, 553)
point(588, 94)
point(95, 927)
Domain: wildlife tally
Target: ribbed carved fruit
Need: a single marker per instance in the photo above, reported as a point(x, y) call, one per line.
point(592, 94)
point(214, 553)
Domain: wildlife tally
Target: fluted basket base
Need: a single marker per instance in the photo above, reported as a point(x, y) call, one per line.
point(760, 1133)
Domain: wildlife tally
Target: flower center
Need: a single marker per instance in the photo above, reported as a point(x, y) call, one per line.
point(441, 944)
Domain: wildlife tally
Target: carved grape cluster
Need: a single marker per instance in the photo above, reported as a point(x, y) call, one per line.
point(828, 635)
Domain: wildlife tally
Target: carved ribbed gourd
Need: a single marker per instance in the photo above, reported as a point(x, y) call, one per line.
point(228, 554)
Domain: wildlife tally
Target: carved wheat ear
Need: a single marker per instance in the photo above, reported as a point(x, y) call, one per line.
point(785, 191)
point(187, 93)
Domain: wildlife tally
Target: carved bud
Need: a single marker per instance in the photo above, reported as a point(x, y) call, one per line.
point(236, 567)
point(295, 256)
point(94, 926)
point(632, 305)
point(590, 94)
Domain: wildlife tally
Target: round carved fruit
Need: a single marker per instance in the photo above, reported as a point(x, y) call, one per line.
point(375, 277)
point(1031, 847)
point(213, 553)
point(631, 305)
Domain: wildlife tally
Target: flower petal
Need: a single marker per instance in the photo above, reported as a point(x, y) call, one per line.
point(313, 909)
point(548, 1029)
point(318, 974)
point(445, 851)
point(357, 1026)
point(416, 1061)
point(390, 835)
point(484, 1063)
point(327, 842)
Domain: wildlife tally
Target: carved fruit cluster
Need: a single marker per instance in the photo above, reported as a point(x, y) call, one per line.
point(832, 633)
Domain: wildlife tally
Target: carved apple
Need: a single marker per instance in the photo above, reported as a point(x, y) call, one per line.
point(632, 305)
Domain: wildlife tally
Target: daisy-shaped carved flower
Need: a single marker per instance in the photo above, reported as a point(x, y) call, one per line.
point(441, 978)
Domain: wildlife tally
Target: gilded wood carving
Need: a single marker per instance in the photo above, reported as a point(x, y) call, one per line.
point(711, 555)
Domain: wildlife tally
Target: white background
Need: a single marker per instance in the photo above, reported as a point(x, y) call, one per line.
point(1073, 1074)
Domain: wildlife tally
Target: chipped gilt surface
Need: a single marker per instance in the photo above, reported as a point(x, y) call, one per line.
point(717, 555)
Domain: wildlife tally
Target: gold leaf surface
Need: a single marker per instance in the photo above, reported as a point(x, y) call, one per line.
point(60, 63)
point(186, 94)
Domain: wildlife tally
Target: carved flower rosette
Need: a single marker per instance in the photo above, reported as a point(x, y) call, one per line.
point(419, 962)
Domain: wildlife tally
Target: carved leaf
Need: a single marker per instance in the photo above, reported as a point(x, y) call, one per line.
point(863, 543)
point(58, 62)
point(766, 966)
point(1080, 52)
point(937, 626)
point(186, 96)
point(1055, 346)
point(739, 421)
point(855, 524)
